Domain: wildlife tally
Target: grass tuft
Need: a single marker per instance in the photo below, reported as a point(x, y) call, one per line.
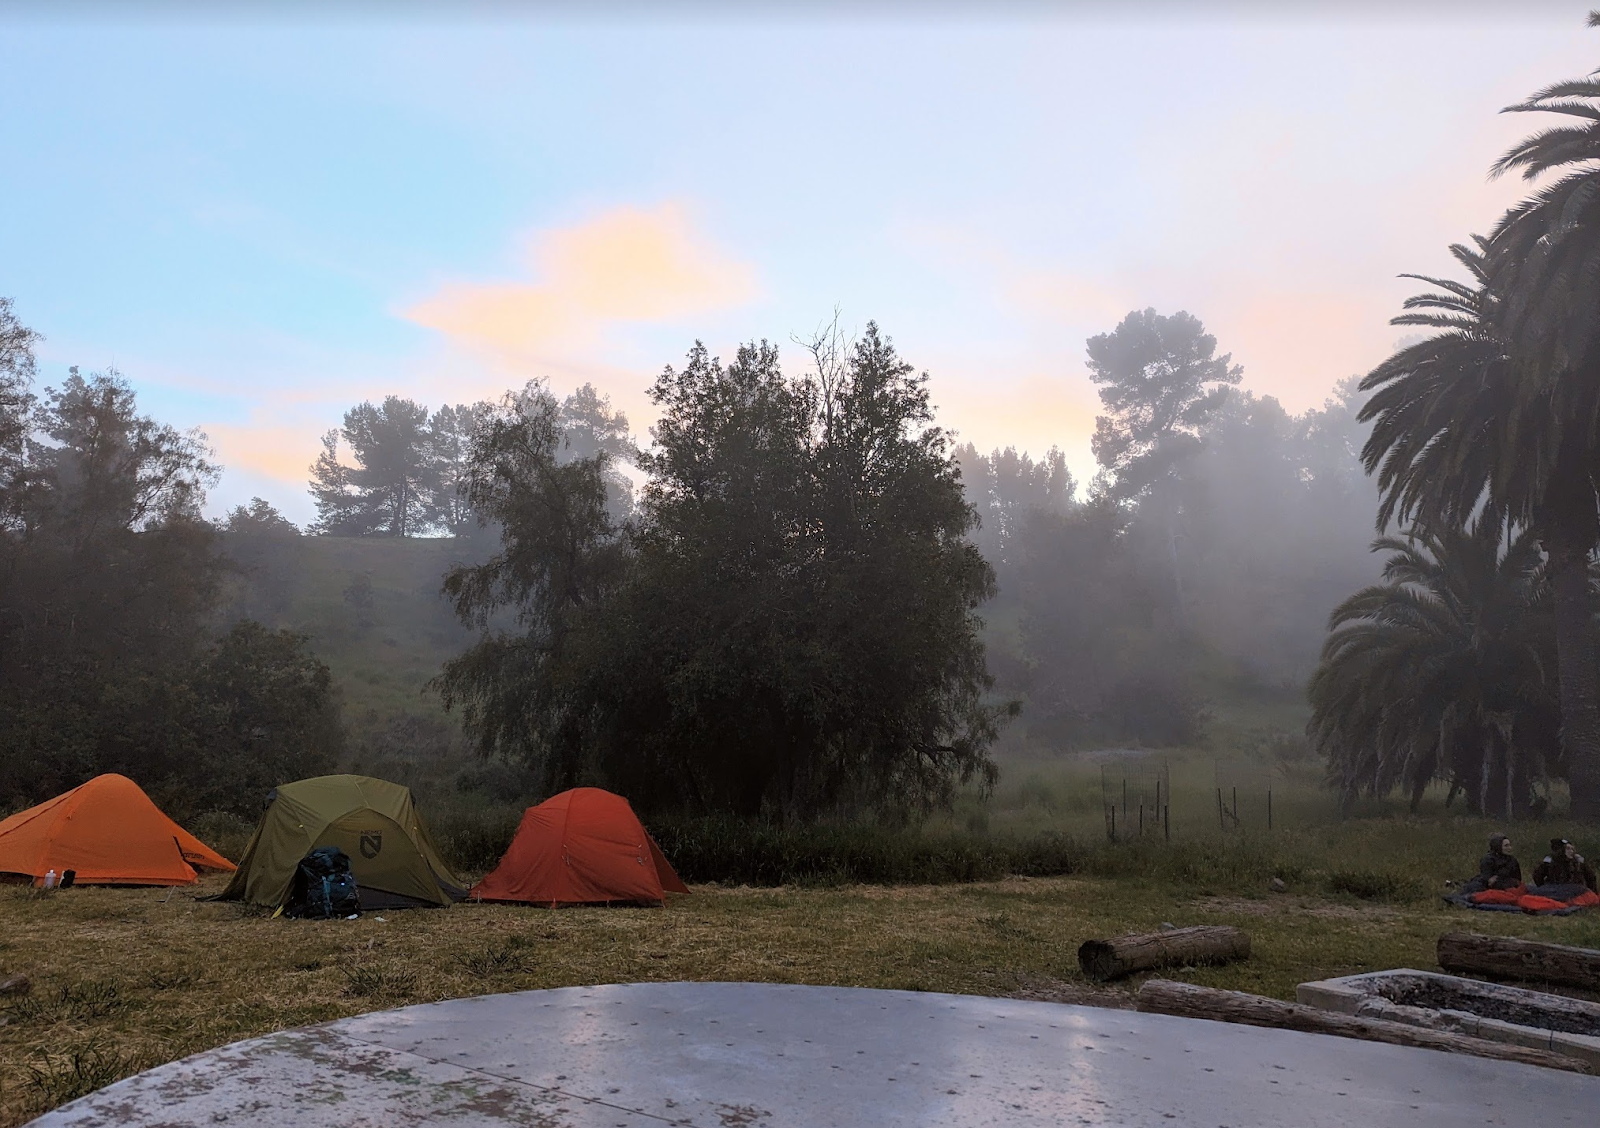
point(366, 981)
point(503, 959)
point(71, 1002)
point(78, 1070)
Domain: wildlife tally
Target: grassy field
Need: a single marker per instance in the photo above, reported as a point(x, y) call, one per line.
point(128, 978)
point(382, 654)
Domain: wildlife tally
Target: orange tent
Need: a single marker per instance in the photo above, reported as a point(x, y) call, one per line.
point(582, 847)
point(110, 833)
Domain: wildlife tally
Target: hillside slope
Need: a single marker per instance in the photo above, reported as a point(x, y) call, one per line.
point(373, 610)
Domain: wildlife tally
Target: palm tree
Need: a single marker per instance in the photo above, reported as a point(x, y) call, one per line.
point(1466, 424)
point(1439, 672)
point(1546, 257)
point(1550, 243)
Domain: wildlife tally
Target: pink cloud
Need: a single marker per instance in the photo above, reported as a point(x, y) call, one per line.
point(629, 265)
point(279, 452)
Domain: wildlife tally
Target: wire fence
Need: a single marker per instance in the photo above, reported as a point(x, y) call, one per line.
point(1138, 804)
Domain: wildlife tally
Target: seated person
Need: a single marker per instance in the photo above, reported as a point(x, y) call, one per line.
point(1564, 866)
point(1497, 870)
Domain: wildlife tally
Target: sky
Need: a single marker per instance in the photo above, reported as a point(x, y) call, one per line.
point(263, 220)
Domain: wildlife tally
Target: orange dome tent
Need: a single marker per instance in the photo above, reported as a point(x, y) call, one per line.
point(108, 832)
point(582, 847)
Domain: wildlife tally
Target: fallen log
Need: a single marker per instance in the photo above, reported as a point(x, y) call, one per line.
point(1176, 947)
point(1163, 996)
point(1501, 957)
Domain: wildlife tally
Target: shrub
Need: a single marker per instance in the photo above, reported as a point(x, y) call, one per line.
point(738, 852)
point(473, 837)
point(1373, 885)
point(225, 832)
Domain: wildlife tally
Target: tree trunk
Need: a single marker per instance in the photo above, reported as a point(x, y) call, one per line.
point(1483, 776)
point(1511, 780)
point(1579, 676)
point(1162, 996)
point(1201, 944)
point(1505, 958)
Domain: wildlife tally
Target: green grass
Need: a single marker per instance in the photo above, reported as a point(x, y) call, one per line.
point(124, 979)
point(127, 978)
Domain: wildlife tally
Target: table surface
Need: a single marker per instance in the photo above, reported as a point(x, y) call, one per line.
point(724, 1055)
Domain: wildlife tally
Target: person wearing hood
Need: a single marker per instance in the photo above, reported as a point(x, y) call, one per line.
point(1498, 869)
point(1564, 866)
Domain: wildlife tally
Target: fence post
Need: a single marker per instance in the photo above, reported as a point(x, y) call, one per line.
point(1269, 808)
point(1220, 824)
point(1166, 821)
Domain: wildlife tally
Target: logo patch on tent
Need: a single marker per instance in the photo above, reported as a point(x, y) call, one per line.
point(371, 845)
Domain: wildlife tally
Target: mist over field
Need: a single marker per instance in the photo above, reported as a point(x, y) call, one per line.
point(1026, 501)
point(506, 409)
point(1200, 564)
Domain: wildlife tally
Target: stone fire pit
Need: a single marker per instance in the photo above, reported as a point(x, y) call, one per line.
point(1491, 1011)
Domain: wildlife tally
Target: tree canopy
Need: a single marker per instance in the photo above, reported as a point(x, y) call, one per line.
point(786, 626)
point(1160, 380)
point(110, 583)
point(1439, 672)
point(408, 473)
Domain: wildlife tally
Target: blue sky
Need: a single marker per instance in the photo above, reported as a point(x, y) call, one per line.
point(261, 222)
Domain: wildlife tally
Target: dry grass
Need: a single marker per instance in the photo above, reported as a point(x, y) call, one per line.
point(128, 978)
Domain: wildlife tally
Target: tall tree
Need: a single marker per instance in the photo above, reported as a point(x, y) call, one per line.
point(520, 688)
point(1545, 257)
point(110, 578)
point(450, 433)
point(16, 401)
point(898, 577)
point(1161, 379)
point(786, 627)
point(394, 487)
point(98, 465)
point(332, 491)
point(590, 426)
point(394, 475)
point(1004, 486)
point(1463, 422)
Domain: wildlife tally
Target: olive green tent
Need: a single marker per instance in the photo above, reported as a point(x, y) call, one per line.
point(373, 821)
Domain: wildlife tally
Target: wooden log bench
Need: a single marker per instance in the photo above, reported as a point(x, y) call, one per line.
point(1163, 996)
point(1175, 947)
point(1503, 957)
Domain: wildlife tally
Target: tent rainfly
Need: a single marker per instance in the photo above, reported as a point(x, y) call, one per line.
point(375, 823)
point(108, 832)
point(582, 847)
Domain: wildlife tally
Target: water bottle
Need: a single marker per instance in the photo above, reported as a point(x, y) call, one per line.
point(50, 880)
